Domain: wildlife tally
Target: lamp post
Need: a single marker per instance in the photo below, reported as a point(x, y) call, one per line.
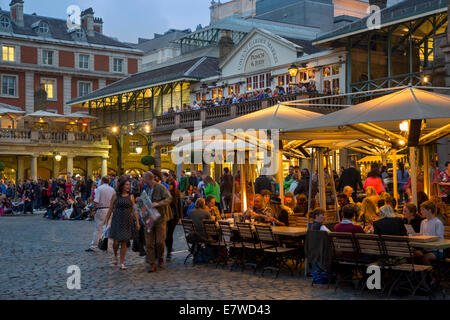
point(293, 72)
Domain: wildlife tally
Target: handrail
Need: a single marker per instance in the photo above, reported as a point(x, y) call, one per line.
point(43, 136)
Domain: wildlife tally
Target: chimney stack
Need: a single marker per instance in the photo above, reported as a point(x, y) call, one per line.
point(87, 21)
point(380, 3)
point(98, 25)
point(16, 7)
point(226, 45)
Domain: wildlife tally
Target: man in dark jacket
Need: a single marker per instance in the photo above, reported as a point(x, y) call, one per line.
point(389, 224)
point(193, 179)
point(303, 185)
point(226, 189)
point(351, 177)
point(262, 183)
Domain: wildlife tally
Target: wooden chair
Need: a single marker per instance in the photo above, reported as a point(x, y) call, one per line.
point(252, 248)
point(234, 249)
point(345, 256)
point(212, 232)
point(192, 244)
point(274, 254)
point(368, 245)
point(399, 247)
point(298, 221)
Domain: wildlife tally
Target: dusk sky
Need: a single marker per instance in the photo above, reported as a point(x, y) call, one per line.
point(128, 20)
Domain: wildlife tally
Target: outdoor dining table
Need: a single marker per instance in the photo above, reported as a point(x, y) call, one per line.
point(283, 231)
point(440, 244)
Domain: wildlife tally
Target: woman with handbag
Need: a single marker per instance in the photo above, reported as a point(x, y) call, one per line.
point(122, 223)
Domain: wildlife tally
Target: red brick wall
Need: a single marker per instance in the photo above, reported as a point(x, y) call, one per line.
point(29, 55)
point(101, 63)
point(108, 82)
point(132, 66)
point(66, 59)
point(19, 102)
point(59, 103)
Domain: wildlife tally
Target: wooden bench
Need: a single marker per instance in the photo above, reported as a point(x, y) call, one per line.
point(298, 221)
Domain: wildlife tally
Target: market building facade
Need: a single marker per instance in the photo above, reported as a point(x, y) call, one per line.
point(45, 64)
point(245, 56)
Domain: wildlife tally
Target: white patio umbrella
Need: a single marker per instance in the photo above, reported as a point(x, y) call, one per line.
point(380, 119)
point(10, 112)
point(78, 116)
point(272, 118)
point(42, 116)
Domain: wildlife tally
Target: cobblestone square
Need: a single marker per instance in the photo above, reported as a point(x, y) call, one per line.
point(36, 252)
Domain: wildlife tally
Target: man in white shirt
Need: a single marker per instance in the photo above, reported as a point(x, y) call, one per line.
point(196, 106)
point(431, 226)
point(102, 202)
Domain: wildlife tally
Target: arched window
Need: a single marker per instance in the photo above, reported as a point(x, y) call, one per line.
point(4, 22)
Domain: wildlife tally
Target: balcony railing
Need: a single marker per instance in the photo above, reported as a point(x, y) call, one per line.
point(28, 136)
point(213, 115)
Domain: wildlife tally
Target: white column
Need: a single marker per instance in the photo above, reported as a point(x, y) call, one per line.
point(89, 168)
point(101, 83)
point(104, 167)
point(67, 93)
point(394, 174)
point(426, 171)
point(180, 167)
point(158, 157)
point(55, 168)
point(69, 166)
point(279, 160)
point(413, 164)
point(321, 177)
point(29, 92)
point(20, 169)
point(33, 173)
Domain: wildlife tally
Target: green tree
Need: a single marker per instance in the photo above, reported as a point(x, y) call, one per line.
point(148, 161)
point(2, 169)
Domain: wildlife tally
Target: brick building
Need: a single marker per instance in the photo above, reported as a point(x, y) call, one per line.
point(43, 53)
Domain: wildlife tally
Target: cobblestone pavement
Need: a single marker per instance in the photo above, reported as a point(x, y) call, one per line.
point(35, 254)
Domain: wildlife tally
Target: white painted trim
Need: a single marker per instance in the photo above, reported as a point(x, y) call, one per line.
point(41, 57)
point(55, 89)
point(76, 44)
point(136, 89)
point(345, 35)
point(16, 53)
point(84, 81)
point(16, 89)
point(264, 33)
point(77, 61)
point(124, 62)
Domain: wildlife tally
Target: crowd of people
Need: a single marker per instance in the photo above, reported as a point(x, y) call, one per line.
point(250, 96)
point(117, 202)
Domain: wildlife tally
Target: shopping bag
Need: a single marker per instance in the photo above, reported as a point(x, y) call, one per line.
point(103, 242)
point(150, 214)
